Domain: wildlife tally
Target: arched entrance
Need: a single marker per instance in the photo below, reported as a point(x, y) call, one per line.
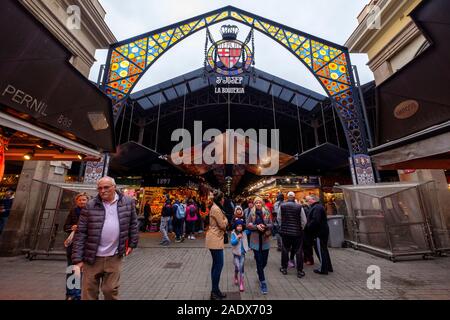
point(128, 60)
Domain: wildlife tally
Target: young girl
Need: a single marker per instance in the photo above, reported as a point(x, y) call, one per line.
point(240, 248)
point(238, 215)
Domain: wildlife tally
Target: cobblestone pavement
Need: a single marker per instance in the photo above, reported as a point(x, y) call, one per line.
point(146, 276)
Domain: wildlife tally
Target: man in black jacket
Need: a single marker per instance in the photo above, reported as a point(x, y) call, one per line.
point(293, 221)
point(318, 226)
point(107, 231)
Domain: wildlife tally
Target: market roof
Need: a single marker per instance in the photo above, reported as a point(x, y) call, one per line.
point(195, 80)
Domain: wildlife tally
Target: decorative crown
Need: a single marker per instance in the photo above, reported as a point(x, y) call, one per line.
point(229, 32)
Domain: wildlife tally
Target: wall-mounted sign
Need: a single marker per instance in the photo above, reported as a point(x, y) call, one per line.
point(229, 58)
point(406, 109)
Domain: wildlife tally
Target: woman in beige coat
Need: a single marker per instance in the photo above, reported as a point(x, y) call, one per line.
point(215, 242)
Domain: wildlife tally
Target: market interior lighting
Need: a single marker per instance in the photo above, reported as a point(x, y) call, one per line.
point(81, 156)
point(61, 150)
point(28, 156)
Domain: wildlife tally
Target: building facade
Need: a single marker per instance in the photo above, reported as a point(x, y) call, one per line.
point(51, 65)
point(406, 42)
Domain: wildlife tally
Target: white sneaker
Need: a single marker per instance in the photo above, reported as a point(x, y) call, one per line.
point(192, 238)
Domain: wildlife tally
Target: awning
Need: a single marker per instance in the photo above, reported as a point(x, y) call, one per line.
point(40, 86)
point(323, 158)
point(432, 152)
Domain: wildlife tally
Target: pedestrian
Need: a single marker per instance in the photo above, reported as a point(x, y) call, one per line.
point(147, 216)
point(240, 248)
point(166, 215)
point(215, 238)
point(6, 205)
point(293, 221)
point(260, 224)
point(106, 226)
point(249, 209)
point(70, 227)
point(268, 205)
point(318, 226)
point(308, 241)
point(191, 219)
point(178, 220)
point(277, 220)
point(229, 208)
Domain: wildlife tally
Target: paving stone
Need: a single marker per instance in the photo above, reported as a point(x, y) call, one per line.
point(145, 277)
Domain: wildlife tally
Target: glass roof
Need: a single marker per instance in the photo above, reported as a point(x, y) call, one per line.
point(195, 81)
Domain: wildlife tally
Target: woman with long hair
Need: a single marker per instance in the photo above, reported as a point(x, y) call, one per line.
point(260, 224)
point(218, 223)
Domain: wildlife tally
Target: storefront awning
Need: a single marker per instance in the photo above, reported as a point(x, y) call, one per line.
point(39, 85)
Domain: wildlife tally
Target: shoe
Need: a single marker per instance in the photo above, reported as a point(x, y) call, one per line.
point(283, 271)
point(177, 240)
point(192, 238)
point(300, 274)
point(215, 296)
point(319, 272)
point(166, 243)
point(236, 279)
point(291, 264)
point(241, 285)
point(221, 294)
point(263, 287)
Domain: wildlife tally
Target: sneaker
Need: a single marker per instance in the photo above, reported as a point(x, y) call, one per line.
point(300, 274)
point(283, 271)
point(241, 285)
point(263, 287)
point(177, 240)
point(291, 264)
point(166, 243)
point(192, 238)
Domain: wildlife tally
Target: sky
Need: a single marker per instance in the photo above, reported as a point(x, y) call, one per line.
point(333, 20)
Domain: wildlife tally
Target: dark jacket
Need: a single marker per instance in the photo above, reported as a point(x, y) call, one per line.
point(72, 219)
point(90, 226)
point(318, 223)
point(167, 210)
point(291, 219)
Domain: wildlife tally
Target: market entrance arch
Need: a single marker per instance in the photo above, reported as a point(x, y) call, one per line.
point(330, 64)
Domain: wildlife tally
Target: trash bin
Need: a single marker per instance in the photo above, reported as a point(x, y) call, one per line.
point(336, 225)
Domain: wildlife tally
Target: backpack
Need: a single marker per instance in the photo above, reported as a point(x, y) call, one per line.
point(181, 211)
point(192, 211)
